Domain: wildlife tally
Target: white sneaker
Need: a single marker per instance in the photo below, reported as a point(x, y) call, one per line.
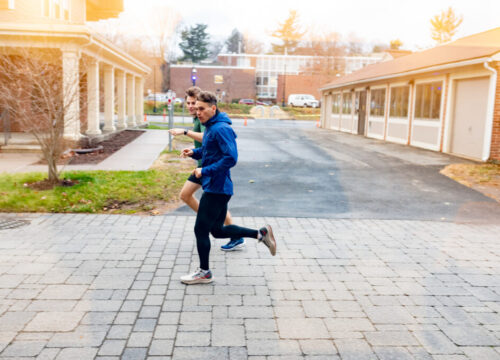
point(198, 277)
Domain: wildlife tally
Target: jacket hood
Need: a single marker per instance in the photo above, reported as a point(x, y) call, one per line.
point(219, 117)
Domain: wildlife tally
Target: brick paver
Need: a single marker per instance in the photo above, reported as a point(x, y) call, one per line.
point(107, 287)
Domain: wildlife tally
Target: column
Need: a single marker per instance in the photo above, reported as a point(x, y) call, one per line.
point(328, 111)
point(93, 98)
point(71, 94)
point(109, 98)
point(121, 122)
point(139, 101)
point(131, 101)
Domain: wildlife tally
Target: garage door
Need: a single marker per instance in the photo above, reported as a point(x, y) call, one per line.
point(469, 117)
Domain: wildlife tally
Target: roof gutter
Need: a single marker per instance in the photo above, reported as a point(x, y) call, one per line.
point(489, 110)
point(412, 72)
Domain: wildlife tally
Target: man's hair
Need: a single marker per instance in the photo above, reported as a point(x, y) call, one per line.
point(207, 97)
point(193, 91)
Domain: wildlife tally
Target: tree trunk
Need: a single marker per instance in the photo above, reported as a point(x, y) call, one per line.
point(53, 175)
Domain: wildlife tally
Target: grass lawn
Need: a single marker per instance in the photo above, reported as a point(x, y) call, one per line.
point(152, 125)
point(120, 192)
point(484, 178)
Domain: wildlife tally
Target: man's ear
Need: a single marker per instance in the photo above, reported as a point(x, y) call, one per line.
point(214, 108)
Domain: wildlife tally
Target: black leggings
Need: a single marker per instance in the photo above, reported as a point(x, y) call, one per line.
point(210, 219)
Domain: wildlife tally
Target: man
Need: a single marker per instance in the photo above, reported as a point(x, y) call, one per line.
point(218, 154)
point(193, 183)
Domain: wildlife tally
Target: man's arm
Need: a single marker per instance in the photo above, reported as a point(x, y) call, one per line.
point(225, 137)
point(198, 136)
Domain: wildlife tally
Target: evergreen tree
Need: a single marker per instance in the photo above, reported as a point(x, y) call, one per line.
point(289, 33)
point(234, 44)
point(444, 25)
point(194, 43)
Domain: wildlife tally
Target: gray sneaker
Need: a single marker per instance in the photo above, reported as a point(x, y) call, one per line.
point(268, 238)
point(198, 277)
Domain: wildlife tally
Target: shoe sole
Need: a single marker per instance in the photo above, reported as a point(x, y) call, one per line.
point(272, 247)
point(237, 247)
point(197, 281)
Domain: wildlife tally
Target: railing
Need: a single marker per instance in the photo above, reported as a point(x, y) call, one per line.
point(6, 125)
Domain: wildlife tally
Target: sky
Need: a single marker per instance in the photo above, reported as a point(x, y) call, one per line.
point(372, 21)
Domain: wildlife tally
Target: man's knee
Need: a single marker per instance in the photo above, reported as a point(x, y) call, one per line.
point(218, 233)
point(185, 195)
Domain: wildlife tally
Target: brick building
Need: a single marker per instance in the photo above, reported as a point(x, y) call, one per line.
point(228, 82)
point(300, 84)
point(445, 99)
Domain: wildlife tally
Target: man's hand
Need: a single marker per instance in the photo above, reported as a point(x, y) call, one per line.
point(176, 132)
point(186, 152)
point(197, 172)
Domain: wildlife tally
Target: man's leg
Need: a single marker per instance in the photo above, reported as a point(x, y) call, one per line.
point(234, 243)
point(212, 208)
point(187, 194)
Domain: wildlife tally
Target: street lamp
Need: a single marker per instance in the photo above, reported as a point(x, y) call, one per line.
point(284, 86)
point(154, 88)
point(194, 76)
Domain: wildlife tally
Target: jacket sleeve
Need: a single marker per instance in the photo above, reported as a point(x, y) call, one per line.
point(197, 154)
point(226, 140)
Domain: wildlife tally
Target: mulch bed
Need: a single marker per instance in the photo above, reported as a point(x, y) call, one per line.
point(109, 147)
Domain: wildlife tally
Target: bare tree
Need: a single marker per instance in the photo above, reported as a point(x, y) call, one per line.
point(36, 96)
point(251, 45)
point(327, 49)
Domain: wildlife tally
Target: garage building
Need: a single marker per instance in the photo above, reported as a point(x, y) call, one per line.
point(445, 99)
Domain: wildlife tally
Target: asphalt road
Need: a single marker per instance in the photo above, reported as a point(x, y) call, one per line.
point(293, 169)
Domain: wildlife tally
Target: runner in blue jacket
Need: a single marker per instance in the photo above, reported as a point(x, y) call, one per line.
point(218, 155)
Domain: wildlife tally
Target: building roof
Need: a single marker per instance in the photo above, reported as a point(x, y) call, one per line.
point(476, 46)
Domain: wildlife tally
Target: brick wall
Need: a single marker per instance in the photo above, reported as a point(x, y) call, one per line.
point(301, 84)
point(495, 136)
point(237, 83)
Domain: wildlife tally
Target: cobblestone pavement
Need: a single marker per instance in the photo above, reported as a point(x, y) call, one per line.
point(107, 287)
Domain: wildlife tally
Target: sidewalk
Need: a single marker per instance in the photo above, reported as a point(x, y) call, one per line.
point(137, 155)
point(107, 287)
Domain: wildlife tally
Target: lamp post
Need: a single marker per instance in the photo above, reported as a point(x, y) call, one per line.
point(284, 86)
point(154, 88)
point(194, 76)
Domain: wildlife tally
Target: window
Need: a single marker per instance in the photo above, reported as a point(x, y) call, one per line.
point(336, 104)
point(428, 100)
point(57, 9)
point(346, 103)
point(377, 102)
point(399, 101)
point(65, 9)
point(46, 8)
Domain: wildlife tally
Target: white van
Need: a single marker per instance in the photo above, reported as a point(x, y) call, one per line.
point(302, 100)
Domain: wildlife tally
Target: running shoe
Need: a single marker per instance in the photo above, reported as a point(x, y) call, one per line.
point(234, 244)
point(198, 277)
point(268, 238)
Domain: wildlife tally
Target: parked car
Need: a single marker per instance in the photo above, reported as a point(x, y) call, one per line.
point(302, 100)
point(179, 101)
point(247, 101)
point(157, 97)
point(265, 103)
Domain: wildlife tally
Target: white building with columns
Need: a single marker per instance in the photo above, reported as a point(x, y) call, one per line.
point(60, 24)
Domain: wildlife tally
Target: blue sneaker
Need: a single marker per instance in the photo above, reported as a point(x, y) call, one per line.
point(233, 244)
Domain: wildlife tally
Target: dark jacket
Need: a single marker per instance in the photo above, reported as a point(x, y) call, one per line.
point(218, 154)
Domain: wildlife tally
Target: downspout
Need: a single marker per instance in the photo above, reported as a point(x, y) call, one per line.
point(489, 111)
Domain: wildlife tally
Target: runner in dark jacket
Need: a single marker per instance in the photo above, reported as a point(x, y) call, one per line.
point(219, 154)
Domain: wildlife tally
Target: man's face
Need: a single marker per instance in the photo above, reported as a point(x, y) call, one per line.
point(205, 111)
point(191, 105)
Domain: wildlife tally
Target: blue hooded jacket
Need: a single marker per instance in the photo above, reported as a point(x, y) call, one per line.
point(218, 154)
